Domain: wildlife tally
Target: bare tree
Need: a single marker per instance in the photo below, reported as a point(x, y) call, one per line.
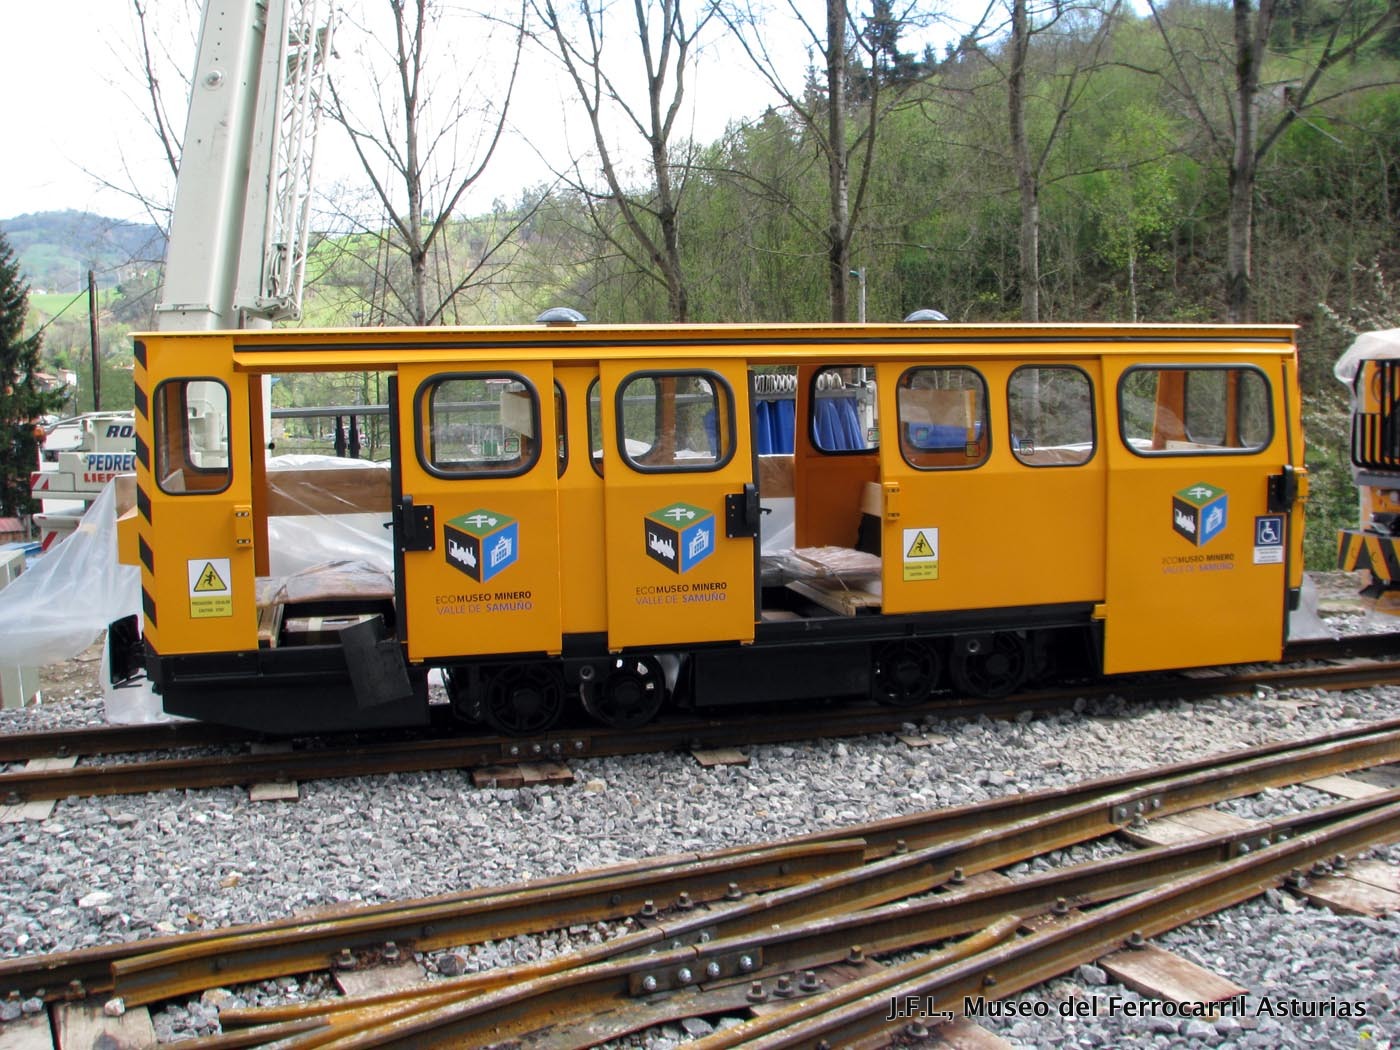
point(665, 39)
point(1044, 63)
point(824, 113)
point(1233, 130)
point(422, 146)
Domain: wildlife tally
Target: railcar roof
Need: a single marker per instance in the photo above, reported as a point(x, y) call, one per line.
point(351, 348)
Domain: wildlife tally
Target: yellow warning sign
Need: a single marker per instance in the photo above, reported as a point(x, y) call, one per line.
point(921, 548)
point(210, 593)
point(920, 554)
point(209, 580)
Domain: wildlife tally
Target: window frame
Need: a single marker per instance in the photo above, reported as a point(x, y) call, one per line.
point(717, 381)
point(1177, 453)
point(812, 399)
point(986, 417)
point(1093, 415)
point(422, 398)
point(157, 418)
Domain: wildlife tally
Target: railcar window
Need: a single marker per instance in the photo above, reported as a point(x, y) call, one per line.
point(191, 437)
point(1184, 411)
point(845, 410)
point(943, 418)
point(1051, 412)
point(675, 421)
point(478, 424)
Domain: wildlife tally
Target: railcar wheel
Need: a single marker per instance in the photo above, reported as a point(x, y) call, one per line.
point(905, 672)
point(519, 701)
point(990, 667)
point(628, 695)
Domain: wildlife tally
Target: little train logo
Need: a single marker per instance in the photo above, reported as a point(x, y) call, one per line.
point(481, 544)
point(1200, 513)
point(680, 536)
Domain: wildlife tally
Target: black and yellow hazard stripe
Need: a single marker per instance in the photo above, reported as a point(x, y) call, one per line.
point(1360, 551)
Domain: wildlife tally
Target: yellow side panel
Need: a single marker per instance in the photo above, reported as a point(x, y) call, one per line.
point(490, 581)
point(1189, 581)
point(995, 535)
point(674, 576)
point(582, 563)
point(196, 568)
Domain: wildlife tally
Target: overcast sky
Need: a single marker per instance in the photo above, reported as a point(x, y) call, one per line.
point(74, 104)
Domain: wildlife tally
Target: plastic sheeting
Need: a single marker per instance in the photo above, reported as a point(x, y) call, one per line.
point(1369, 346)
point(307, 541)
point(63, 600)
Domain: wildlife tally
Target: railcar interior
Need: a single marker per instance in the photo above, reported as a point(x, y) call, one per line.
point(613, 518)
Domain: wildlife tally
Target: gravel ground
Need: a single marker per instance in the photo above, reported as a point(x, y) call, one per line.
point(102, 870)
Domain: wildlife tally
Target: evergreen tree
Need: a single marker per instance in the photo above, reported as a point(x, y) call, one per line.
point(21, 400)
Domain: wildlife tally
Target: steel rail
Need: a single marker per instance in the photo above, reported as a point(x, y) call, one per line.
point(276, 948)
point(815, 943)
point(154, 976)
point(923, 849)
point(900, 875)
point(458, 753)
point(860, 1010)
point(511, 1013)
point(116, 740)
point(412, 753)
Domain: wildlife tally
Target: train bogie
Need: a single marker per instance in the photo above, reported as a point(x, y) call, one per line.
point(609, 519)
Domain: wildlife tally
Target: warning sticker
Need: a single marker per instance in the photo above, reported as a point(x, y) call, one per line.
point(211, 590)
point(921, 554)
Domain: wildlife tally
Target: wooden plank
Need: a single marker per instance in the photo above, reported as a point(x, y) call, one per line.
point(963, 1034)
point(1189, 826)
point(269, 624)
point(546, 773)
point(1345, 787)
point(498, 777)
point(31, 1032)
point(844, 598)
point(1377, 873)
point(18, 814)
point(1159, 974)
point(1348, 896)
point(83, 1026)
point(327, 491)
point(720, 756)
point(275, 791)
point(403, 974)
point(39, 809)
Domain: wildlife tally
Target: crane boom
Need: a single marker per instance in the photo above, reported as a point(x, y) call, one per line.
point(238, 237)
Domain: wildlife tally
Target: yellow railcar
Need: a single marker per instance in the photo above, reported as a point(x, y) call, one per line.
point(581, 514)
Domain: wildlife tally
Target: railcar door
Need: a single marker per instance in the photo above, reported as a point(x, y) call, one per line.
point(681, 507)
point(194, 493)
point(476, 514)
point(993, 484)
point(1196, 556)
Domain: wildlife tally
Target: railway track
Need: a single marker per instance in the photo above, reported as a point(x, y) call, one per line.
point(1346, 664)
point(786, 930)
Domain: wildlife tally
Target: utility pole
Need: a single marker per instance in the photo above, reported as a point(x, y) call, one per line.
point(96, 343)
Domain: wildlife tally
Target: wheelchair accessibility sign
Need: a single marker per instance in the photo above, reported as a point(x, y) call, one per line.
point(1268, 540)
